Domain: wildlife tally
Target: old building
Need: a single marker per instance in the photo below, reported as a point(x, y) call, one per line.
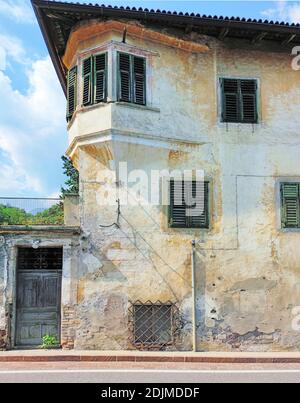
point(153, 91)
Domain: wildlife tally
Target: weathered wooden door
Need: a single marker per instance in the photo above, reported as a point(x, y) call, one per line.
point(38, 295)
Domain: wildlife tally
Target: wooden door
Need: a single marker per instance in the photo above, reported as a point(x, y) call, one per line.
point(38, 295)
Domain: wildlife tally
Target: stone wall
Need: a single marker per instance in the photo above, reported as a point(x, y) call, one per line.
point(71, 210)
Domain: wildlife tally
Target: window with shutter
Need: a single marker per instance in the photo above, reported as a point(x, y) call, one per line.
point(94, 78)
point(185, 214)
point(124, 78)
point(239, 100)
point(87, 81)
point(132, 79)
point(290, 204)
point(248, 101)
point(71, 92)
point(231, 106)
point(139, 69)
point(100, 62)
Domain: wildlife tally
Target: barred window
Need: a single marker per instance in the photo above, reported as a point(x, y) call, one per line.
point(154, 324)
point(40, 259)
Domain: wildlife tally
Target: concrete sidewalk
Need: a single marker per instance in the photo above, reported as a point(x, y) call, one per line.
point(138, 356)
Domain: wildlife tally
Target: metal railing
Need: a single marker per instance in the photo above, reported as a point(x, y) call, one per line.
point(31, 211)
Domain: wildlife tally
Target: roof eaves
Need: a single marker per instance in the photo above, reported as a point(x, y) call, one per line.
point(176, 16)
point(179, 19)
point(50, 45)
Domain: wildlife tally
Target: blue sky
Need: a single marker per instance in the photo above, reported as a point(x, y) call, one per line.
point(32, 106)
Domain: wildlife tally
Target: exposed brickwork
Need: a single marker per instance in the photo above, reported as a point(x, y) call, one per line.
point(3, 335)
point(218, 337)
point(68, 327)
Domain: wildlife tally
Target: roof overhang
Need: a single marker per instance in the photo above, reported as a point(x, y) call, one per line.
point(94, 27)
point(58, 19)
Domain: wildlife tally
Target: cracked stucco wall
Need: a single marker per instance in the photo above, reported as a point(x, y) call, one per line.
point(248, 269)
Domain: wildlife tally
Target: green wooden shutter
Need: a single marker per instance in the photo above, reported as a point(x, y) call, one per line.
point(139, 74)
point(71, 92)
point(230, 100)
point(201, 209)
point(100, 78)
point(124, 77)
point(249, 100)
point(178, 217)
point(290, 205)
point(87, 81)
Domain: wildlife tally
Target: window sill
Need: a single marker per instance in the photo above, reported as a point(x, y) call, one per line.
point(93, 106)
point(190, 231)
point(240, 123)
point(189, 228)
point(246, 128)
point(290, 230)
point(136, 106)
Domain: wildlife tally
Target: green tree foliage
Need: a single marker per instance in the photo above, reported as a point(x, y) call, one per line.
point(72, 183)
point(12, 215)
point(51, 216)
point(54, 215)
point(16, 216)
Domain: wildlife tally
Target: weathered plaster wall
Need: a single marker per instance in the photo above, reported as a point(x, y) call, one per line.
point(248, 274)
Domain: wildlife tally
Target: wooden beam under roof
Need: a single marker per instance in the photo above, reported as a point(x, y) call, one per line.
point(224, 32)
point(289, 39)
point(258, 38)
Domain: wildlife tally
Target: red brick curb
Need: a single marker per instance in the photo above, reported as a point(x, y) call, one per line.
point(148, 358)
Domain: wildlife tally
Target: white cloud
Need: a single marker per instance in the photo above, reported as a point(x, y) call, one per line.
point(11, 48)
point(293, 13)
point(283, 11)
point(14, 177)
point(17, 10)
point(32, 132)
point(45, 101)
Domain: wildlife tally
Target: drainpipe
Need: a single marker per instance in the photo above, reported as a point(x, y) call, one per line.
point(194, 300)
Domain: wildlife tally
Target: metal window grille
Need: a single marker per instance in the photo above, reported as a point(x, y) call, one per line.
point(154, 325)
point(40, 259)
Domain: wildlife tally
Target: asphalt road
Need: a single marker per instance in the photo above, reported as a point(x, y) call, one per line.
point(148, 376)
